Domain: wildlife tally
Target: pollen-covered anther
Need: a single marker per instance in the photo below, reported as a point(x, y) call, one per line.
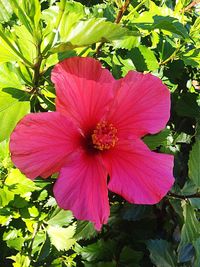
point(104, 136)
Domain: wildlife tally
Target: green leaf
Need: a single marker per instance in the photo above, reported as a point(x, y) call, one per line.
point(11, 234)
point(4, 150)
point(189, 188)
point(187, 105)
point(14, 103)
point(186, 253)
point(101, 264)
point(193, 164)
point(127, 42)
point(8, 77)
point(5, 196)
point(88, 32)
point(12, 109)
point(43, 195)
point(192, 58)
point(143, 58)
point(131, 212)
point(5, 11)
point(168, 24)
point(20, 260)
point(130, 257)
point(7, 54)
point(195, 202)
point(101, 250)
point(183, 138)
point(195, 29)
point(32, 8)
point(60, 218)
point(191, 228)
point(155, 38)
point(14, 239)
point(154, 141)
point(85, 230)
point(33, 211)
point(62, 238)
point(15, 243)
point(45, 249)
point(11, 48)
point(26, 42)
point(21, 15)
point(76, 30)
point(18, 183)
point(73, 13)
point(20, 202)
point(161, 253)
point(166, 47)
point(49, 16)
point(57, 18)
point(196, 244)
point(5, 160)
point(39, 240)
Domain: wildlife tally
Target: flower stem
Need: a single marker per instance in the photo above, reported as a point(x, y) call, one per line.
point(30, 246)
point(192, 4)
point(136, 8)
point(121, 11)
point(36, 68)
point(61, 11)
point(120, 14)
point(196, 195)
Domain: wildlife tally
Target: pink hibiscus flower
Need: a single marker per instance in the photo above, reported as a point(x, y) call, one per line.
point(96, 131)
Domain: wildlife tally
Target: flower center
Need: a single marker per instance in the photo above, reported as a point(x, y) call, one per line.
point(104, 136)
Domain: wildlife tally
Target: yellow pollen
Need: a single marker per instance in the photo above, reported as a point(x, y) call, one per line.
point(104, 136)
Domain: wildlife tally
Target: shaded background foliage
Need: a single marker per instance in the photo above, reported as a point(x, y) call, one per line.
point(161, 37)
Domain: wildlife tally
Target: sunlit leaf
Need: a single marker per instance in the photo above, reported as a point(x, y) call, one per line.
point(62, 238)
point(128, 42)
point(60, 218)
point(12, 109)
point(88, 32)
point(26, 43)
point(18, 10)
point(20, 260)
point(143, 58)
point(5, 196)
point(18, 183)
point(5, 10)
point(32, 9)
point(7, 54)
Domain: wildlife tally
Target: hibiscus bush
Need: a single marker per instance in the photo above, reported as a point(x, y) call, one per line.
point(100, 98)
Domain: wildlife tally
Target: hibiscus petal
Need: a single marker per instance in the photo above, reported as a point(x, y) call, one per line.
point(138, 174)
point(41, 143)
point(84, 90)
point(82, 188)
point(141, 105)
